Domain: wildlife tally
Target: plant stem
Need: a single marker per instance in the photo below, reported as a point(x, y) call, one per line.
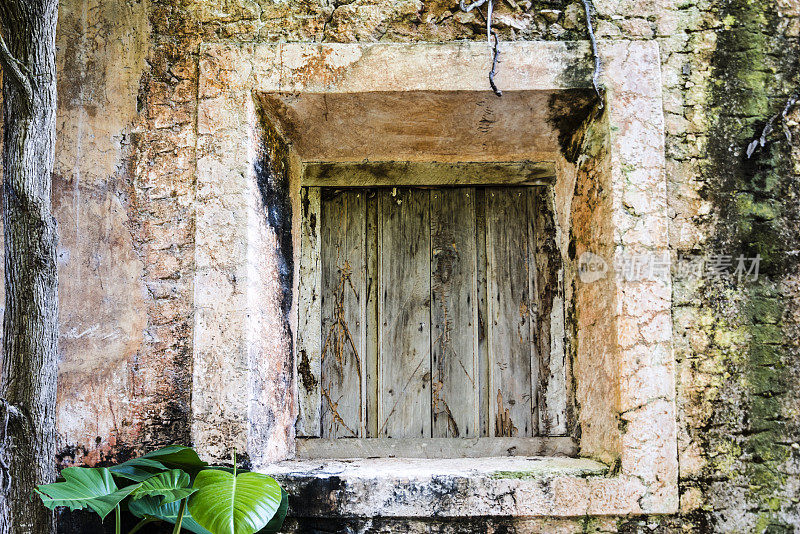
point(119, 520)
point(140, 524)
point(179, 521)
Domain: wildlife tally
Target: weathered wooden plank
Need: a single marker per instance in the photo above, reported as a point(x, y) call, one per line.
point(404, 314)
point(533, 313)
point(415, 173)
point(309, 326)
point(486, 421)
point(343, 312)
point(371, 386)
point(435, 447)
point(454, 350)
point(549, 324)
point(508, 307)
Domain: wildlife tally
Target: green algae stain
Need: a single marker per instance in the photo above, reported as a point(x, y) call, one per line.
point(515, 475)
point(754, 197)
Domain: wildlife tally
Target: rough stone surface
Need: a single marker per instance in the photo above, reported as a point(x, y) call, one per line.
point(446, 487)
point(128, 203)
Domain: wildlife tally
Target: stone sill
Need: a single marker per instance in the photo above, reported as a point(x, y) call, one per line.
point(452, 487)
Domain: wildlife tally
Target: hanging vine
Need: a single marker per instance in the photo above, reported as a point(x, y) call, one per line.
point(587, 7)
point(490, 34)
point(494, 42)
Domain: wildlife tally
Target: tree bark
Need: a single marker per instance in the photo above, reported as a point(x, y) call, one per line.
point(30, 325)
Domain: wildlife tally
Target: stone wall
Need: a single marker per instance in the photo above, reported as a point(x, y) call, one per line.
point(125, 201)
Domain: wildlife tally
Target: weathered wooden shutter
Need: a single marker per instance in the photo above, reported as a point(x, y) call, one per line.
point(427, 313)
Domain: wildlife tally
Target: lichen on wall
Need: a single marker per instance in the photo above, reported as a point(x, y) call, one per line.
point(740, 371)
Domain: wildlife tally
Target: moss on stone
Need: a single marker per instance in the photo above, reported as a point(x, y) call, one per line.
point(516, 475)
point(745, 439)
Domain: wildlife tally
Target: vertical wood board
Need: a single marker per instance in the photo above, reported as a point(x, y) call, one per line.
point(533, 307)
point(371, 386)
point(486, 412)
point(552, 389)
point(404, 314)
point(454, 383)
point(309, 327)
point(343, 313)
point(508, 295)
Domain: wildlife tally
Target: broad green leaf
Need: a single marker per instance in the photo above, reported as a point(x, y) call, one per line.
point(137, 469)
point(171, 486)
point(177, 457)
point(276, 522)
point(228, 504)
point(150, 507)
point(84, 486)
point(172, 457)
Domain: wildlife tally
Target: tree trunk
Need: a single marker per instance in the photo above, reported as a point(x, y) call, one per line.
point(30, 327)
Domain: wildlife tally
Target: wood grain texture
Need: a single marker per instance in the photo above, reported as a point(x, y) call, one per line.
point(343, 313)
point(426, 174)
point(549, 324)
point(528, 198)
point(509, 315)
point(441, 313)
point(455, 381)
point(309, 325)
point(404, 314)
point(371, 386)
point(486, 420)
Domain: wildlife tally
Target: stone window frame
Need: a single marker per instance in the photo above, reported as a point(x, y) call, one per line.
point(243, 362)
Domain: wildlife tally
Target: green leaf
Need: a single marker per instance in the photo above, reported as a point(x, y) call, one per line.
point(171, 457)
point(137, 469)
point(84, 486)
point(276, 522)
point(150, 507)
point(171, 486)
point(178, 457)
point(228, 504)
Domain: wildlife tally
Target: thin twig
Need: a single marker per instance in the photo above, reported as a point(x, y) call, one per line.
point(587, 6)
point(16, 71)
point(768, 128)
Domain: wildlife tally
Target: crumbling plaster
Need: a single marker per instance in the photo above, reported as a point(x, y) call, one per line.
point(102, 306)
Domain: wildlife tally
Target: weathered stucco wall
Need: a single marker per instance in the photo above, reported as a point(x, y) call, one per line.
point(103, 314)
point(125, 202)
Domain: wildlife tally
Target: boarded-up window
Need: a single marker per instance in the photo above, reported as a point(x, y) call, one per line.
point(435, 309)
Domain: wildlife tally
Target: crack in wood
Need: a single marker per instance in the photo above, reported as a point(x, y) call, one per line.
point(338, 338)
point(440, 405)
point(334, 408)
point(503, 425)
